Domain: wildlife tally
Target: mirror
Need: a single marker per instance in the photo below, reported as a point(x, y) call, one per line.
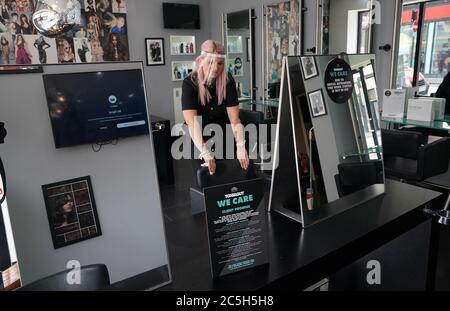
point(344, 26)
point(65, 209)
point(333, 146)
point(281, 37)
point(238, 38)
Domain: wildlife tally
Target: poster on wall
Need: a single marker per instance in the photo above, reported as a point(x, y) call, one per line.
point(103, 25)
point(339, 81)
point(237, 226)
point(71, 211)
point(282, 36)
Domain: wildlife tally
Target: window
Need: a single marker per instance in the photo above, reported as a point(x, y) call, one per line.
point(425, 63)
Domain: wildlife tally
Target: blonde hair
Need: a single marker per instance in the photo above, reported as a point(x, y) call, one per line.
point(200, 77)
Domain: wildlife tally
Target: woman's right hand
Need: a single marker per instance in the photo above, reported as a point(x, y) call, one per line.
point(211, 163)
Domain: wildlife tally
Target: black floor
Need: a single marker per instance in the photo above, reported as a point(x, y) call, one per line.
point(176, 206)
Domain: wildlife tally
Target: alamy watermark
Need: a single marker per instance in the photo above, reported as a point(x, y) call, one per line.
point(74, 275)
point(261, 147)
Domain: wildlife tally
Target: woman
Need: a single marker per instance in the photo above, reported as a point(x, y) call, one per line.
point(25, 27)
point(115, 50)
point(96, 51)
point(22, 54)
point(83, 51)
point(4, 46)
point(41, 45)
point(210, 92)
point(64, 212)
point(65, 51)
point(119, 6)
point(4, 11)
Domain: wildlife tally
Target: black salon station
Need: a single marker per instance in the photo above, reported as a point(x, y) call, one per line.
point(337, 247)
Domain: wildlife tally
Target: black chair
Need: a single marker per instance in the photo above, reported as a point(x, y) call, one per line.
point(227, 172)
point(353, 177)
point(92, 277)
point(407, 157)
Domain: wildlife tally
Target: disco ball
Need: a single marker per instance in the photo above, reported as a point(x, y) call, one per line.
point(55, 17)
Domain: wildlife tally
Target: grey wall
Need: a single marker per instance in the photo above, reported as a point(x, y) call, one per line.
point(123, 177)
point(145, 20)
point(338, 22)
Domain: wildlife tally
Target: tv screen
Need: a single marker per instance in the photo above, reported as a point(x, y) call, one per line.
point(93, 107)
point(181, 16)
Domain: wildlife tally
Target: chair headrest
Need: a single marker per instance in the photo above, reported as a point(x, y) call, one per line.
point(227, 171)
point(403, 144)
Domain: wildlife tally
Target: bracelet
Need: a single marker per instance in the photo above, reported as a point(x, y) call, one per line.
point(241, 144)
point(205, 154)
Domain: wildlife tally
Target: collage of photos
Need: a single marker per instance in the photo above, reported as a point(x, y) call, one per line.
point(282, 35)
point(100, 36)
point(71, 211)
point(235, 67)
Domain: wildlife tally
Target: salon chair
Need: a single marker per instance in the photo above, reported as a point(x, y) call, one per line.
point(92, 277)
point(227, 172)
point(408, 157)
point(353, 177)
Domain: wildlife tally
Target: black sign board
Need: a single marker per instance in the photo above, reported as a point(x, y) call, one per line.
point(339, 81)
point(237, 226)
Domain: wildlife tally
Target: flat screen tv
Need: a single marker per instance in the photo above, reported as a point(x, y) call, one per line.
point(181, 16)
point(94, 107)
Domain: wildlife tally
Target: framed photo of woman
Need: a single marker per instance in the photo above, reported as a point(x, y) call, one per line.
point(155, 51)
point(71, 211)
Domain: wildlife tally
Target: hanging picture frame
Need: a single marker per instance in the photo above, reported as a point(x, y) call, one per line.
point(71, 211)
point(154, 51)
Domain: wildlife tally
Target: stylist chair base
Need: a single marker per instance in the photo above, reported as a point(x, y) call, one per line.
point(227, 172)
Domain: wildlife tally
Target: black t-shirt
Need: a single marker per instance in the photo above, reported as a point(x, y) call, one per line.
point(212, 112)
point(444, 92)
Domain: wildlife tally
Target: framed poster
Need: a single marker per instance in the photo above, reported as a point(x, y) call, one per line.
point(71, 211)
point(154, 51)
point(309, 67)
point(234, 66)
point(317, 103)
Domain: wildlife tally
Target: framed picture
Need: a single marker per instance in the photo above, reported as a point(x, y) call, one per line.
point(20, 69)
point(154, 48)
point(309, 67)
point(181, 69)
point(182, 45)
point(235, 67)
point(71, 211)
point(317, 103)
point(234, 44)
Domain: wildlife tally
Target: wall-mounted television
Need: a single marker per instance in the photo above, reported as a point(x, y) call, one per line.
point(95, 107)
point(181, 16)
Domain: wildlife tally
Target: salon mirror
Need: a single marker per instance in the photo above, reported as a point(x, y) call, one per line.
point(332, 148)
point(238, 34)
point(344, 26)
point(281, 37)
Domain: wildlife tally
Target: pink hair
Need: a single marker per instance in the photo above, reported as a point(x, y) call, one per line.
point(200, 77)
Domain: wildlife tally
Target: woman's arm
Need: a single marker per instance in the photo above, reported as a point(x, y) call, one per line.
point(238, 132)
point(195, 130)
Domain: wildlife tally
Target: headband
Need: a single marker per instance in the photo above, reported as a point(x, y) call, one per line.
point(213, 55)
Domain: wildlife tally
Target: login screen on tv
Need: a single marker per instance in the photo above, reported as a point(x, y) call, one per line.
point(96, 107)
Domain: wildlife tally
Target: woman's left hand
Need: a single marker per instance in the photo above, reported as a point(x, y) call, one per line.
point(243, 157)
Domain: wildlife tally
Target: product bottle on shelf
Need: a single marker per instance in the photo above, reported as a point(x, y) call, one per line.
point(181, 48)
point(191, 48)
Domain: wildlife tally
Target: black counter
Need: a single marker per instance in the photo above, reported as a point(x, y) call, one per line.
point(300, 257)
